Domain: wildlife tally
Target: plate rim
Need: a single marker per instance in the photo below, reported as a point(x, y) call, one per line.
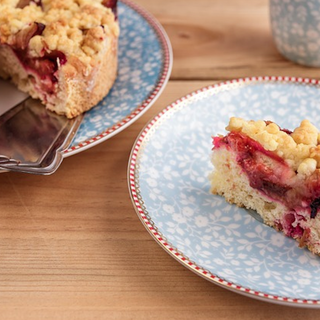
point(137, 200)
point(153, 96)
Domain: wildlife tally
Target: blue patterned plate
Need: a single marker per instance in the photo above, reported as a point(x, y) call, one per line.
point(145, 61)
point(168, 181)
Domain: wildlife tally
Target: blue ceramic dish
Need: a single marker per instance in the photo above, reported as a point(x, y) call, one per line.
point(168, 182)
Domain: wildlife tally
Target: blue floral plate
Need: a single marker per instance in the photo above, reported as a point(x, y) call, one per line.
point(168, 181)
point(145, 61)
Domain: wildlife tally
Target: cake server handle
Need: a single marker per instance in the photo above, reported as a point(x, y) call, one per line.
point(33, 139)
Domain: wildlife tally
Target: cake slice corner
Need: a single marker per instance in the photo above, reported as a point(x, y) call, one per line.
point(276, 172)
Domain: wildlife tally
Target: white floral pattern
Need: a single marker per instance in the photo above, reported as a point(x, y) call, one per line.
point(296, 29)
point(171, 170)
point(144, 66)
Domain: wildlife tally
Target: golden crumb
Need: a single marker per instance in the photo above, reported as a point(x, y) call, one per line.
point(307, 166)
point(306, 134)
point(75, 27)
point(300, 149)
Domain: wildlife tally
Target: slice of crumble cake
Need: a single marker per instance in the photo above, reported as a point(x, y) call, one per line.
point(276, 172)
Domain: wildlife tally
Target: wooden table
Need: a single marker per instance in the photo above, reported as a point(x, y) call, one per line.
point(71, 244)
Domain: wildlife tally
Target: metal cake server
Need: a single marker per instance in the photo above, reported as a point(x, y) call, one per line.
point(33, 139)
point(255, 215)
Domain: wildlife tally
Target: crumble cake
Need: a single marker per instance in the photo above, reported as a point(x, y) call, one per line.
point(63, 52)
point(260, 166)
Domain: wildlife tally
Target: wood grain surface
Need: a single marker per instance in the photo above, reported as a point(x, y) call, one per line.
point(222, 39)
point(72, 245)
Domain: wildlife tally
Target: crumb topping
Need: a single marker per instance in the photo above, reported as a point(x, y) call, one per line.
point(300, 149)
point(75, 27)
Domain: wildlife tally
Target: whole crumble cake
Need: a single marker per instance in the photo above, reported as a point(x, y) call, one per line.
point(260, 166)
point(63, 52)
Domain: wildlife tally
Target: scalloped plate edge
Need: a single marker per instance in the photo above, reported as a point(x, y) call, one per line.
point(147, 103)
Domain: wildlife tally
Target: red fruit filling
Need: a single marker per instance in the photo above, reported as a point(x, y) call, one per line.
point(44, 67)
point(23, 3)
point(268, 173)
point(250, 157)
point(22, 38)
point(291, 225)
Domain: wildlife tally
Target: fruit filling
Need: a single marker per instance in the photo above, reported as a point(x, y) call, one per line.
point(271, 175)
point(260, 166)
point(291, 224)
point(23, 3)
point(44, 67)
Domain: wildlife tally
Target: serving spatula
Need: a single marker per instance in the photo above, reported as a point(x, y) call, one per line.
point(33, 139)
